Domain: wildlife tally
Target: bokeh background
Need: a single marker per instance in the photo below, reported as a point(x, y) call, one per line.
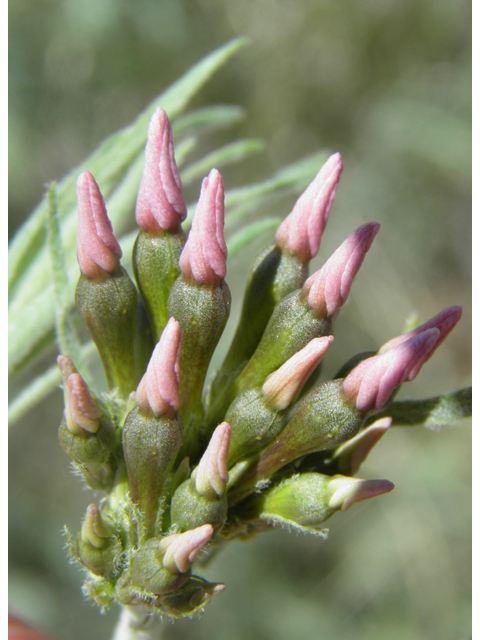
point(388, 84)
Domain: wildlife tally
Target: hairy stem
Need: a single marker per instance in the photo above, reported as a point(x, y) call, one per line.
point(138, 623)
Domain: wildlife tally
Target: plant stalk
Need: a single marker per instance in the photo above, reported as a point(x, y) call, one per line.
point(138, 623)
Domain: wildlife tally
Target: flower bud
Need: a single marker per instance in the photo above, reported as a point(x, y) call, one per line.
point(371, 383)
point(301, 231)
point(161, 565)
point(160, 210)
point(309, 312)
point(150, 446)
point(200, 301)
point(327, 290)
point(105, 296)
point(322, 420)
point(96, 546)
point(445, 322)
point(257, 415)
point(87, 433)
point(349, 456)
point(308, 499)
point(280, 269)
point(190, 597)
point(152, 434)
point(201, 499)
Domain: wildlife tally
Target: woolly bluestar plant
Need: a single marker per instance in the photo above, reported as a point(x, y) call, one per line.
point(184, 464)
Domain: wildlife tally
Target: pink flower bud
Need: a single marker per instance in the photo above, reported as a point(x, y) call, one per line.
point(98, 251)
point(444, 321)
point(94, 530)
point(160, 205)
point(157, 391)
point(328, 288)
point(211, 475)
point(370, 384)
point(351, 490)
point(181, 549)
point(82, 411)
point(301, 231)
point(350, 456)
point(204, 256)
point(284, 385)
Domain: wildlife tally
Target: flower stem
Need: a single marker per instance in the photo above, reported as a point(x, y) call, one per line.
point(138, 623)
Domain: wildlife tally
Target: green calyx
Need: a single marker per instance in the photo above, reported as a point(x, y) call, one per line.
point(322, 420)
point(291, 327)
point(146, 577)
point(202, 312)
point(254, 424)
point(150, 447)
point(155, 261)
point(94, 454)
point(272, 276)
point(108, 307)
point(190, 509)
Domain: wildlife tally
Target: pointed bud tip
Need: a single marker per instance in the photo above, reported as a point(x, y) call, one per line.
point(204, 256)
point(444, 322)
point(98, 251)
point(351, 455)
point(370, 384)
point(284, 385)
point(160, 205)
point(351, 490)
point(181, 549)
point(211, 475)
point(328, 288)
point(82, 411)
point(301, 231)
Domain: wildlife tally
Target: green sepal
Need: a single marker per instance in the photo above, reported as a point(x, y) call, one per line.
point(292, 326)
point(103, 562)
point(146, 577)
point(155, 263)
point(108, 306)
point(322, 420)
point(150, 446)
point(190, 598)
point(202, 312)
point(272, 276)
point(190, 510)
point(95, 454)
point(301, 502)
point(254, 424)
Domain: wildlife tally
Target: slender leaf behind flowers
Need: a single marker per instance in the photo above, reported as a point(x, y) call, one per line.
point(115, 155)
point(35, 301)
point(432, 413)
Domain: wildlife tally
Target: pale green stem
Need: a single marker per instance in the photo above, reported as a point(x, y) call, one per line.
point(138, 623)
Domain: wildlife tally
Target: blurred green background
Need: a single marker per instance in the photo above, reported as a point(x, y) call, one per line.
point(388, 84)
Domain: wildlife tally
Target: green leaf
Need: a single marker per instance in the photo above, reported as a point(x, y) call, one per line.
point(295, 176)
point(249, 233)
point(233, 152)
point(68, 340)
point(114, 156)
point(39, 388)
point(31, 313)
point(431, 412)
point(208, 119)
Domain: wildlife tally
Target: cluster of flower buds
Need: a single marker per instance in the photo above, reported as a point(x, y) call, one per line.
point(185, 466)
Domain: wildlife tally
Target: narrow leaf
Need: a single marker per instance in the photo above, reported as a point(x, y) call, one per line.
point(431, 412)
point(68, 340)
point(249, 233)
point(41, 387)
point(115, 155)
point(233, 152)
